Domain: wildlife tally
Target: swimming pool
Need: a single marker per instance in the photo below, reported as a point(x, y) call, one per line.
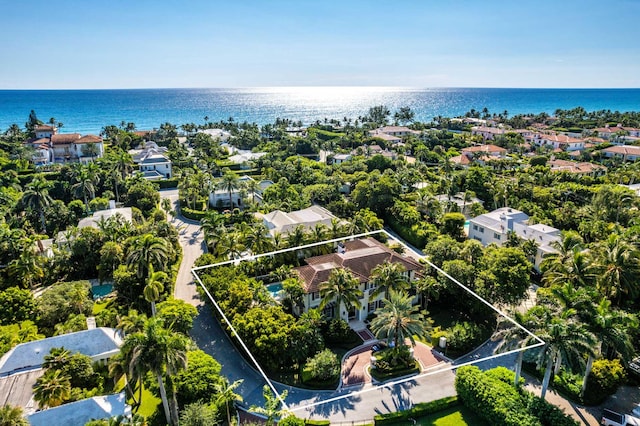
point(100, 291)
point(275, 290)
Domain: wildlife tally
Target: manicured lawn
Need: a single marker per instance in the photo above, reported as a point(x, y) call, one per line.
point(150, 404)
point(454, 416)
point(100, 305)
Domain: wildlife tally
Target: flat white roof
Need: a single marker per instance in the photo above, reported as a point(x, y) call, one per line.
point(81, 412)
point(30, 355)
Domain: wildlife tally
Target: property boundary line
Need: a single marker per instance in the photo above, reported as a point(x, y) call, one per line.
point(194, 271)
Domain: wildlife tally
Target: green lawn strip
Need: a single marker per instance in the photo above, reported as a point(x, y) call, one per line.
point(454, 416)
point(150, 403)
point(100, 306)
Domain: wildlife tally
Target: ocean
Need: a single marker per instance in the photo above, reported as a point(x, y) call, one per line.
point(88, 111)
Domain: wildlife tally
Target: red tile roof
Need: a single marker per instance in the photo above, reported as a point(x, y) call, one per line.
point(89, 139)
point(360, 258)
point(484, 148)
point(65, 138)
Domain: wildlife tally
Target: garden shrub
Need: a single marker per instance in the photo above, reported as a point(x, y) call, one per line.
point(493, 400)
point(418, 410)
point(548, 414)
point(504, 375)
point(337, 331)
point(568, 384)
point(605, 378)
point(192, 214)
point(463, 337)
point(324, 366)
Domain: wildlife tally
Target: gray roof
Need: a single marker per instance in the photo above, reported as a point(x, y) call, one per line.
point(30, 355)
point(92, 221)
point(80, 412)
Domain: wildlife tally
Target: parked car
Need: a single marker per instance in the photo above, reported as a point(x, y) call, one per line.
point(611, 418)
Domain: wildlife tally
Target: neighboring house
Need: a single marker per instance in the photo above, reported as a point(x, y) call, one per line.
point(464, 206)
point(219, 134)
point(488, 133)
point(21, 367)
point(220, 197)
point(152, 161)
point(577, 168)
point(359, 257)
point(244, 157)
point(94, 220)
point(341, 158)
point(609, 132)
point(623, 152)
point(394, 131)
point(52, 147)
point(560, 142)
point(81, 412)
point(279, 222)
point(494, 227)
point(484, 151)
point(389, 139)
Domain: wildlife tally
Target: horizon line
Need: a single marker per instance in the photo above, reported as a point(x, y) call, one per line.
point(319, 87)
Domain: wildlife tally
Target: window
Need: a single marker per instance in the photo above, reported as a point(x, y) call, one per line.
point(482, 230)
point(496, 236)
point(315, 295)
point(475, 227)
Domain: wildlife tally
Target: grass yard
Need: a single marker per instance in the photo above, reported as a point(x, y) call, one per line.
point(454, 416)
point(150, 403)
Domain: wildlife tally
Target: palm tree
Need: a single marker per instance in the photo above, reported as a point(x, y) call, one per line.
point(577, 269)
point(147, 250)
point(399, 320)
point(388, 276)
point(229, 182)
point(511, 337)
point(343, 288)
point(227, 395)
point(118, 368)
point(154, 287)
point(271, 409)
point(566, 339)
point(258, 239)
point(27, 268)
point(84, 184)
point(159, 351)
point(612, 329)
point(52, 389)
point(36, 197)
point(12, 416)
point(618, 268)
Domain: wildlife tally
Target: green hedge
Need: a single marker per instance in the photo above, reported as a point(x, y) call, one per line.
point(418, 410)
point(192, 214)
point(492, 398)
point(317, 422)
point(168, 183)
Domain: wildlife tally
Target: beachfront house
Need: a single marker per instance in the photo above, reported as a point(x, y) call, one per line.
point(494, 228)
point(51, 147)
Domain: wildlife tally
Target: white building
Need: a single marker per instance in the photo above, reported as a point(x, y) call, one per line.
point(152, 161)
point(623, 152)
point(279, 222)
point(494, 227)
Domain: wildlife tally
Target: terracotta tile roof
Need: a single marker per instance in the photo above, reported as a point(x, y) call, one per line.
point(574, 167)
point(360, 258)
point(462, 160)
point(484, 148)
point(89, 139)
point(623, 149)
point(561, 139)
point(65, 138)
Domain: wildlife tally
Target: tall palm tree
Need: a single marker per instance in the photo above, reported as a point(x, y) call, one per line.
point(566, 340)
point(147, 250)
point(12, 416)
point(577, 269)
point(398, 320)
point(36, 197)
point(84, 184)
point(511, 337)
point(52, 389)
point(229, 182)
point(27, 269)
point(612, 329)
point(227, 395)
point(388, 276)
point(154, 287)
point(258, 239)
point(618, 268)
point(343, 288)
point(159, 351)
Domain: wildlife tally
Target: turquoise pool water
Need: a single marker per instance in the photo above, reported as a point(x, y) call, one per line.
point(100, 291)
point(275, 290)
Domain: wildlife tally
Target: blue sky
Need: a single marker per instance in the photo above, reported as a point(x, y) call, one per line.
point(248, 43)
